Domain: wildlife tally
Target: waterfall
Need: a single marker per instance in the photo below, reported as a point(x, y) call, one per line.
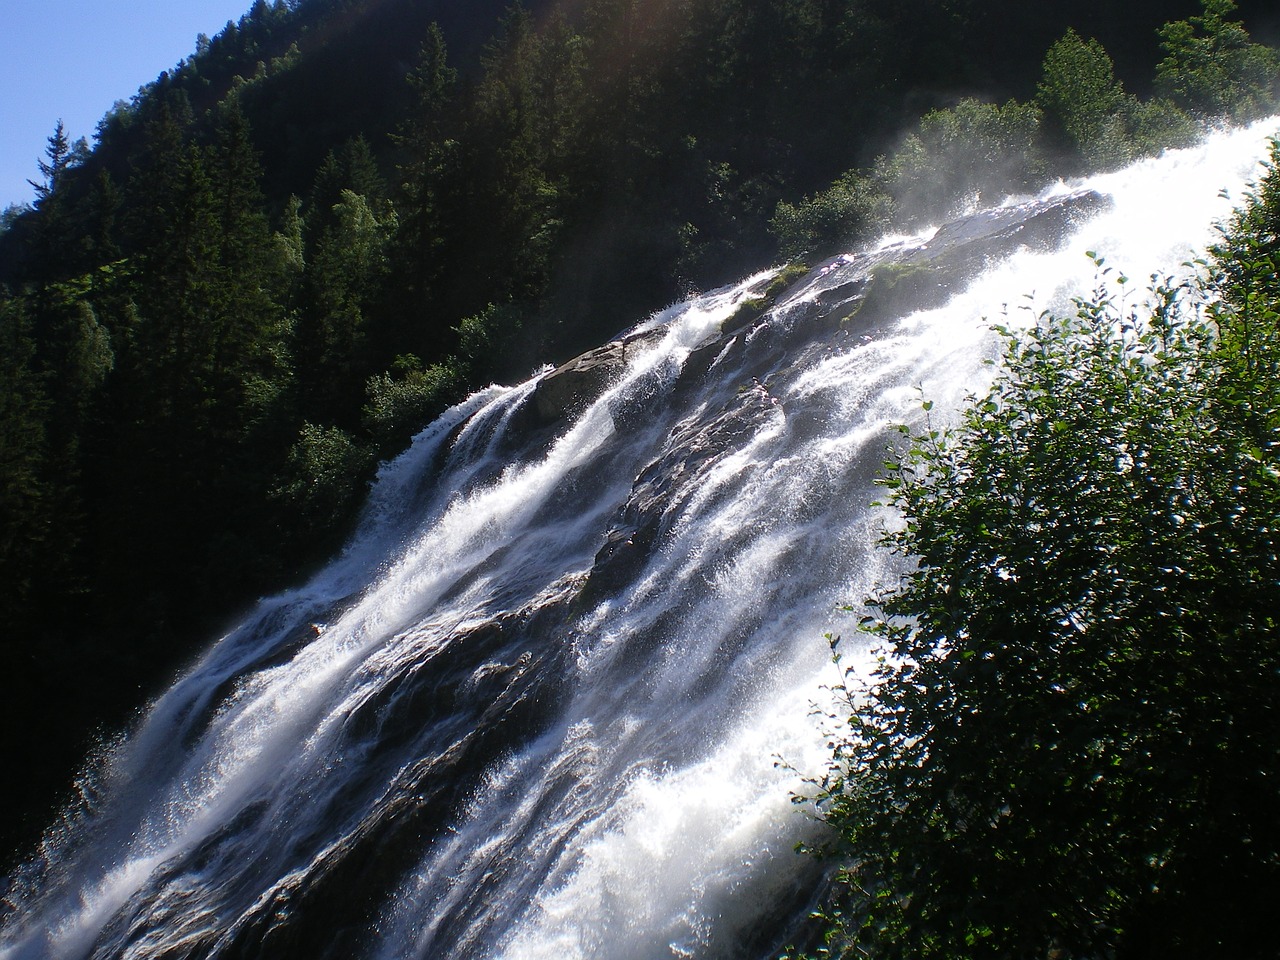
point(536, 707)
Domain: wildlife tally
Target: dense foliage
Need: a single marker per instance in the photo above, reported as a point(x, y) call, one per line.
point(286, 254)
point(1071, 746)
point(1081, 118)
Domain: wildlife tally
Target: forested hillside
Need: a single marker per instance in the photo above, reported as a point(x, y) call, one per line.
point(279, 260)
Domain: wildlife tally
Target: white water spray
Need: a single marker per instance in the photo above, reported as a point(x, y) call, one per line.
point(534, 708)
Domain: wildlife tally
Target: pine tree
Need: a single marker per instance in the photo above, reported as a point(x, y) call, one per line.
point(52, 169)
point(248, 352)
point(431, 170)
point(55, 243)
point(24, 513)
point(345, 278)
point(351, 166)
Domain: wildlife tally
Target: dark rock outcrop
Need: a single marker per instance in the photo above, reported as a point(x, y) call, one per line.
point(573, 385)
point(927, 276)
point(862, 291)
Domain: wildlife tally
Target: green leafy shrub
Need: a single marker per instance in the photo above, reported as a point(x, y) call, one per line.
point(407, 398)
point(485, 337)
point(973, 148)
point(1158, 124)
point(854, 206)
point(324, 478)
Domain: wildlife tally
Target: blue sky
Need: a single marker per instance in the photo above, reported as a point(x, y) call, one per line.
point(75, 58)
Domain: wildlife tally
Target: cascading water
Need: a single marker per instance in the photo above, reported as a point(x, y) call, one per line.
point(534, 709)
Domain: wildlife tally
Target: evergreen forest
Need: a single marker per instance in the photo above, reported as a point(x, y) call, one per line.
point(275, 263)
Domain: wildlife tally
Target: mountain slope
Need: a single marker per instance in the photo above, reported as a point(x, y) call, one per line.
point(292, 250)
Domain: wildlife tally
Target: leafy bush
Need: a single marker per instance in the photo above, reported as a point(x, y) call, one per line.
point(1155, 125)
point(973, 148)
point(324, 479)
point(1080, 121)
point(489, 340)
point(407, 398)
point(853, 207)
point(1070, 746)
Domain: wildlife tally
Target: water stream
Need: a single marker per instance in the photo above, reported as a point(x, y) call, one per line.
point(535, 707)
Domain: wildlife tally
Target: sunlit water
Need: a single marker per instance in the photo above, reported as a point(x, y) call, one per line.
point(536, 708)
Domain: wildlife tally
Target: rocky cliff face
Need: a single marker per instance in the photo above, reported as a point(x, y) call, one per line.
point(849, 295)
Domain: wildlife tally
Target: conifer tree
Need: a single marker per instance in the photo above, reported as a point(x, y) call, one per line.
point(58, 153)
point(345, 278)
point(249, 349)
point(519, 207)
point(1213, 69)
point(24, 515)
point(351, 166)
point(430, 171)
point(55, 239)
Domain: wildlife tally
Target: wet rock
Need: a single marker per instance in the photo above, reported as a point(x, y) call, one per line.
point(663, 487)
point(927, 276)
point(486, 693)
point(1035, 223)
point(573, 385)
